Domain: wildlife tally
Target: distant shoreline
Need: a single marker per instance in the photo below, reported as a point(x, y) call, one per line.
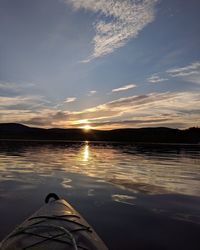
point(101, 142)
point(159, 135)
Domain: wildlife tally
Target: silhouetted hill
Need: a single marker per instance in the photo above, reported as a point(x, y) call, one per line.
point(150, 135)
point(12, 127)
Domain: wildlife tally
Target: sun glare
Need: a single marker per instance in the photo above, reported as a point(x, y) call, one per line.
point(87, 127)
point(86, 153)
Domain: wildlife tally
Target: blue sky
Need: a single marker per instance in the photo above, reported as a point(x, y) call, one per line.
point(106, 63)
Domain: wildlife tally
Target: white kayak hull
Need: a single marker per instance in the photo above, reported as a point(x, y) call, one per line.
point(57, 226)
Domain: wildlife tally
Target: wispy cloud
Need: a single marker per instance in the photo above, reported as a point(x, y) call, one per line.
point(188, 73)
point(19, 108)
point(194, 78)
point(130, 123)
point(155, 78)
point(92, 92)
point(155, 109)
point(70, 99)
point(124, 88)
point(15, 89)
point(27, 102)
point(9, 101)
point(8, 89)
point(118, 21)
point(173, 109)
point(191, 69)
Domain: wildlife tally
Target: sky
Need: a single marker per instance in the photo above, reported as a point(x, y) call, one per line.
point(101, 63)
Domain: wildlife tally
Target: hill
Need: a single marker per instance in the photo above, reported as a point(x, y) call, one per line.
point(149, 135)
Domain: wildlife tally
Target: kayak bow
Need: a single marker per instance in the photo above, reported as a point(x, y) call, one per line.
point(56, 225)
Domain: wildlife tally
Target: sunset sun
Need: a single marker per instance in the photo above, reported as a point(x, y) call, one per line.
point(87, 127)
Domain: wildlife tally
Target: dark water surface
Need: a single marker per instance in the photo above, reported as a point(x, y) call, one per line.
point(135, 196)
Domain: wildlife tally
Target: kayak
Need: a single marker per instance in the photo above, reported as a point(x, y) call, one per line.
point(57, 226)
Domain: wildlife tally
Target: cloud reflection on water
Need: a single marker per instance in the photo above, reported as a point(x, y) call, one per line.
point(150, 173)
point(164, 182)
point(152, 190)
point(127, 199)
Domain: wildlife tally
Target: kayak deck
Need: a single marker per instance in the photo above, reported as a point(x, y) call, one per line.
point(56, 225)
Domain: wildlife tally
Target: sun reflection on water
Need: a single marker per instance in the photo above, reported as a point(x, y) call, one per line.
point(125, 166)
point(86, 152)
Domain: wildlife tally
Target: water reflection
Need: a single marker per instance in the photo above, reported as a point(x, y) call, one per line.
point(138, 185)
point(127, 199)
point(66, 183)
point(86, 152)
point(152, 173)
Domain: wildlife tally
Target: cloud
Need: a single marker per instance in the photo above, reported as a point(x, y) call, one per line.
point(189, 70)
point(154, 109)
point(194, 78)
point(9, 89)
point(124, 88)
point(189, 73)
point(129, 123)
point(8, 101)
point(92, 92)
point(70, 99)
point(23, 102)
point(155, 78)
point(118, 21)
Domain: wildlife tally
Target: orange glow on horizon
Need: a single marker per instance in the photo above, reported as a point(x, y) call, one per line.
point(87, 127)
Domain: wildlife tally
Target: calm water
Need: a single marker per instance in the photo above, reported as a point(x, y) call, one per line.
point(136, 197)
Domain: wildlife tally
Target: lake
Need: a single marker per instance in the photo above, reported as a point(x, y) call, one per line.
point(135, 196)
